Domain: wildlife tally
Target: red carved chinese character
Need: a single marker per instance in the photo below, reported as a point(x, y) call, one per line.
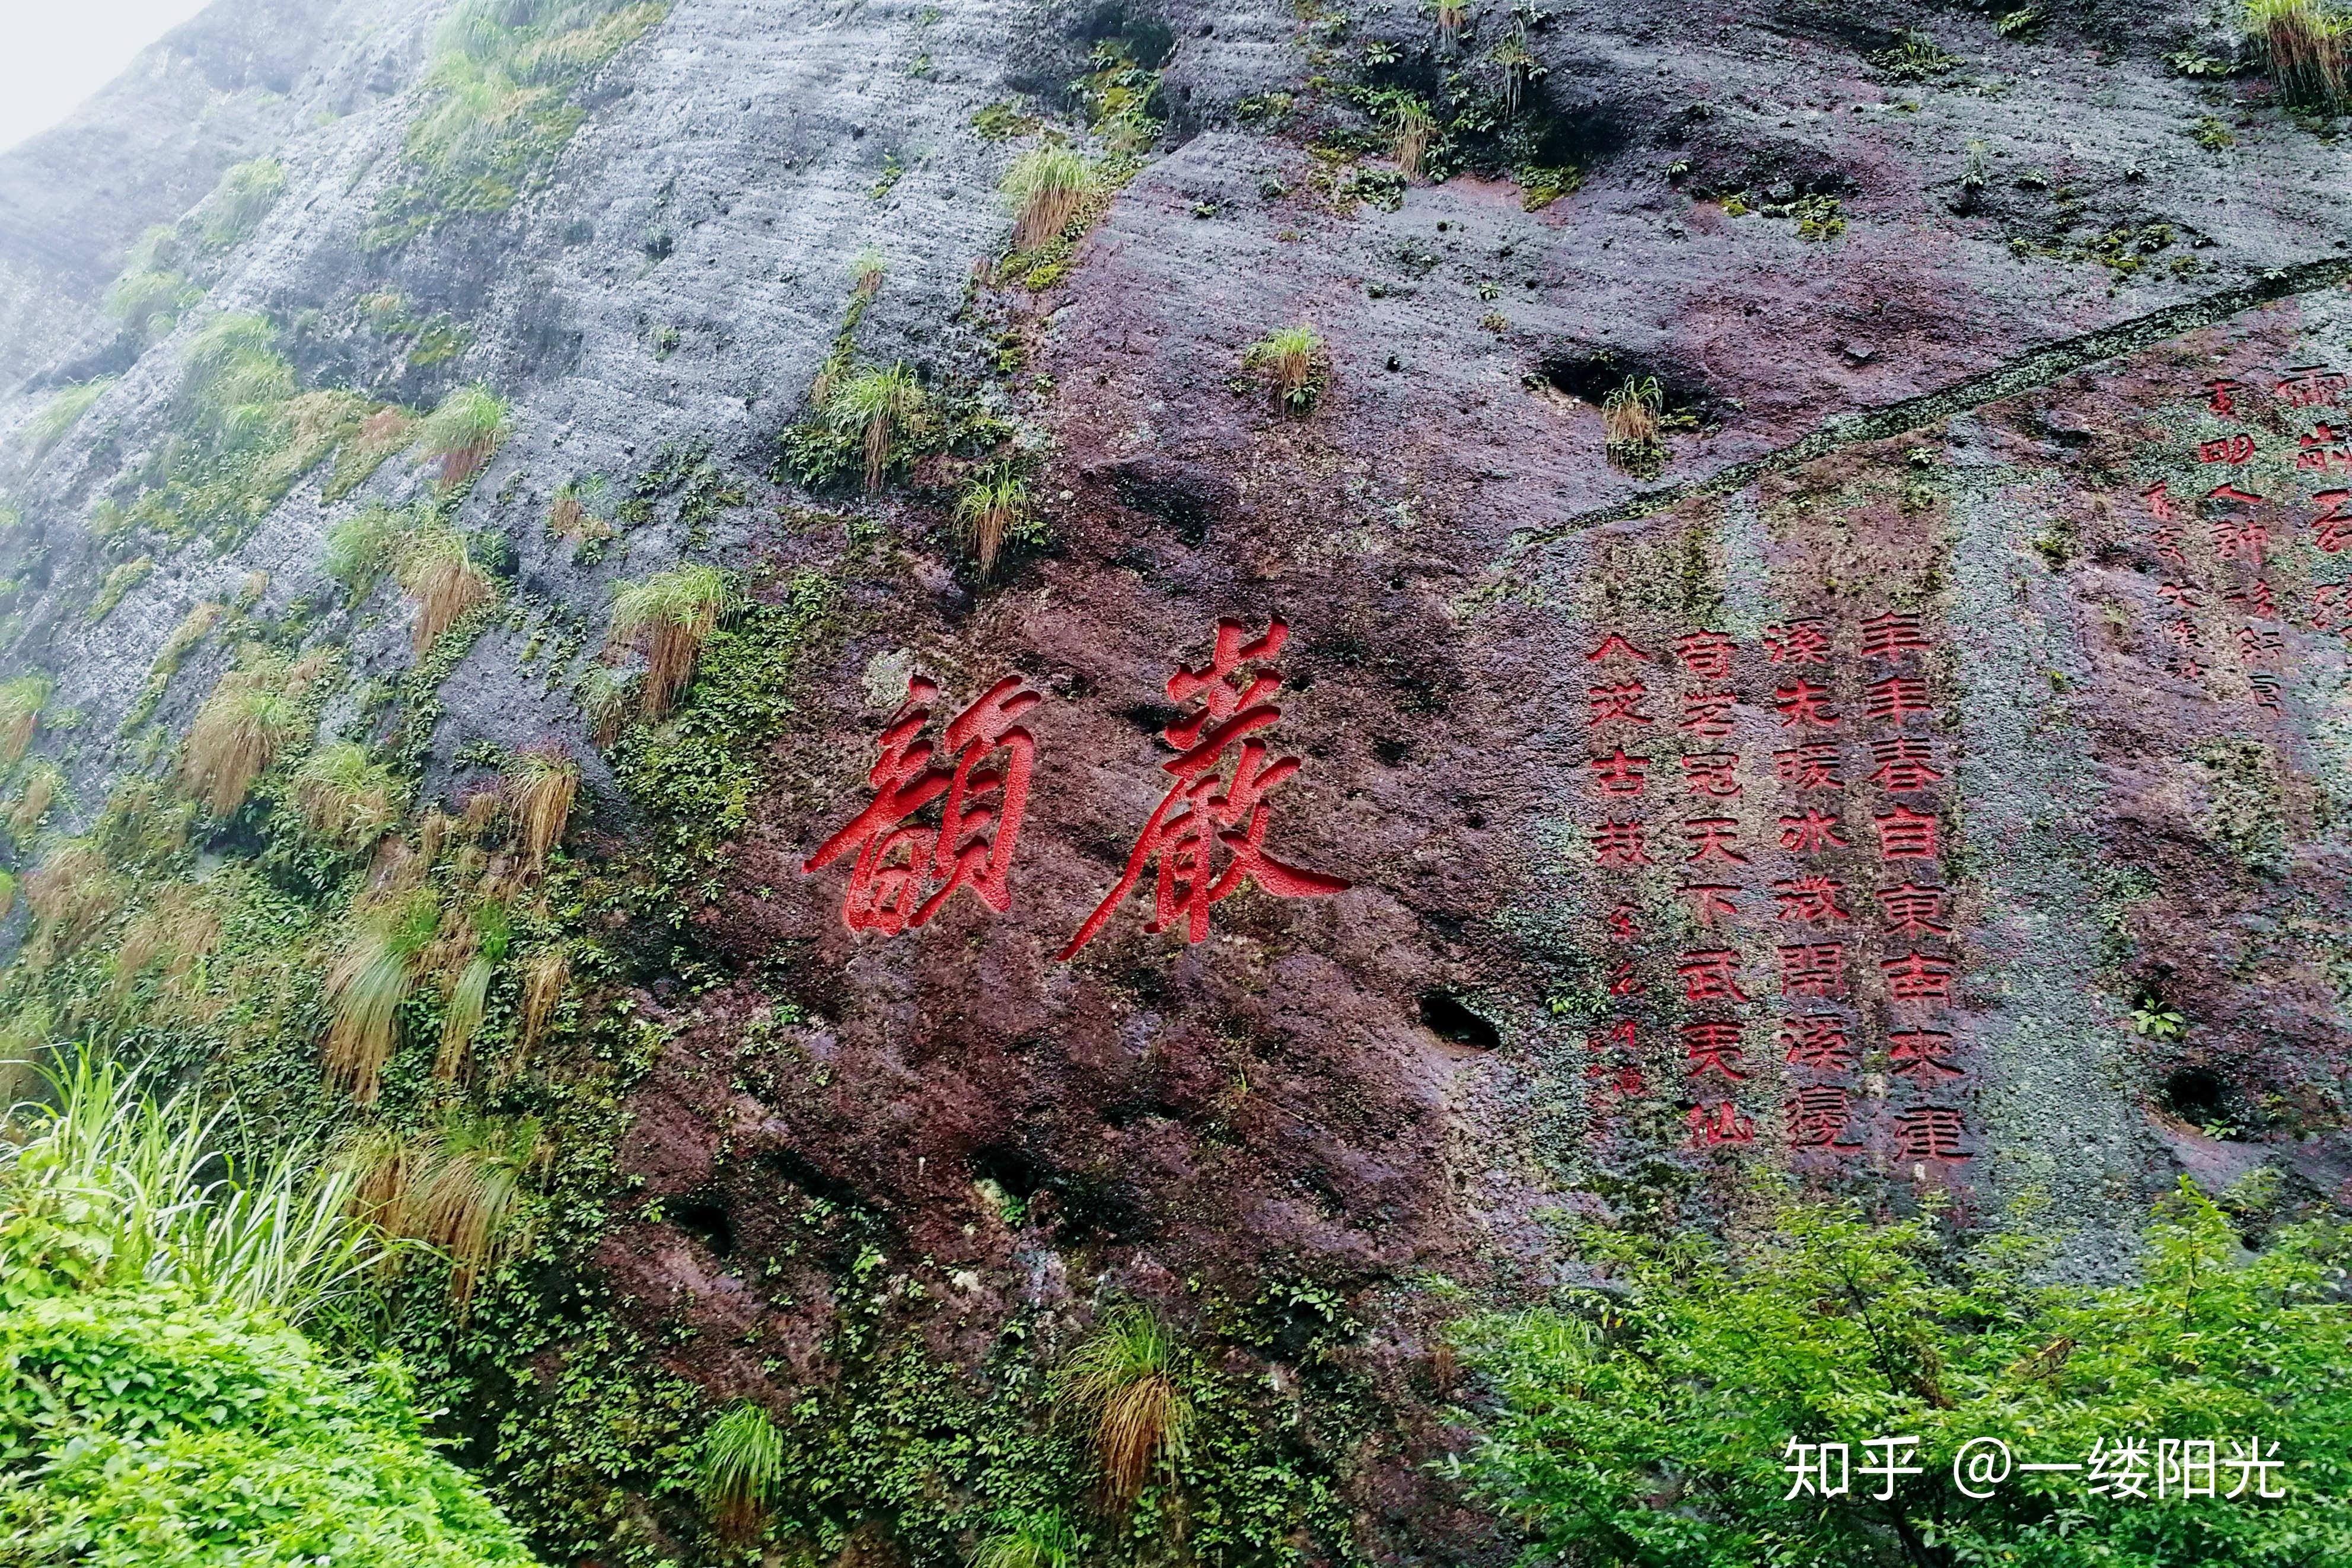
point(1185, 830)
point(1706, 655)
point(1888, 636)
point(1906, 835)
point(1918, 978)
point(1898, 696)
point(2240, 539)
point(2257, 600)
point(2218, 397)
point(1812, 765)
point(1617, 774)
point(1817, 1040)
point(2229, 449)
point(1708, 713)
point(1911, 910)
point(1813, 969)
point(2159, 498)
point(1722, 1124)
point(1710, 774)
point(2331, 607)
point(1619, 844)
point(1805, 641)
point(2183, 632)
point(1811, 833)
point(1922, 1052)
point(1614, 645)
point(1812, 898)
point(1710, 975)
point(1818, 1116)
point(1621, 923)
point(1804, 703)
point(2184, 595)
point(1929, 1133)
point(1622, 702)
point(2324, 446)
point(1713, 1043)
point(2226, 493)
point(1904, 764)
point(1713, 838)
point(1619, 1033)
point(980, 825)
point(1709, 901)
point(2307, 385)
point(2168, 546)
point(1623, 981)
point(2332, 529)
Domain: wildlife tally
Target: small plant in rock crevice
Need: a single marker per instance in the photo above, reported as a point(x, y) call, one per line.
point(1294, 365)
point(1630, 425)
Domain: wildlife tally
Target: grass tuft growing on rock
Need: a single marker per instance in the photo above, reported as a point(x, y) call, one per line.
point(669, 617)
point(740, 1469)
point(1120, 1383)
point(60, 413)
point(437, 571)
point(21, 698)
point(1294, 365)
point(992, 505)
point(252, 716)
point(2305, 42)
point(463, 432)
point(368, 981)
point(346, 798)
point(885, 407)
point(539, 789)
point(1048, 187)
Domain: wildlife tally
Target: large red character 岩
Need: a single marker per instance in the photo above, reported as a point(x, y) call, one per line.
point(1203, 811)
point(980, 825)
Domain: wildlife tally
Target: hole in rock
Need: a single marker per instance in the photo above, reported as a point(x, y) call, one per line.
point(1449, 1019)
point(706, 1219)
point(2195, 1094)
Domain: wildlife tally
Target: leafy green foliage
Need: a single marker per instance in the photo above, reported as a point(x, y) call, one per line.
point(145, 1429)
point(1647, 1421)
point(500, 105)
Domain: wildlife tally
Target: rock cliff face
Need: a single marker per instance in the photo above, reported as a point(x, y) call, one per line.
point(1902, 741)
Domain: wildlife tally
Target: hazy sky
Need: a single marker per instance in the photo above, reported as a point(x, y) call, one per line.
point(58, 54)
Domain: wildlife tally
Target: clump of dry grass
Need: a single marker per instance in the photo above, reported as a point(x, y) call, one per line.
point(250, 719)
point(178, 930)
point(1630, 425)
point(544, 975)
point(344, 797)
point(1121, 1383)
point(367, 983)
point(21, 701)
point(459, 1188)
point(71, 894)
point(2305, 43)
point(491, 931)
point(669, 617)
point(437, 571)
point(1048, 186)
point(1411, 136)
point(540, 791)
point(463, 432)
point(991, 506)
point(885, 407)
point(603, 696)
point(43, 782)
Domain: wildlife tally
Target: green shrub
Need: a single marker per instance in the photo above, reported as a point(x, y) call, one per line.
point(1648, 1420)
